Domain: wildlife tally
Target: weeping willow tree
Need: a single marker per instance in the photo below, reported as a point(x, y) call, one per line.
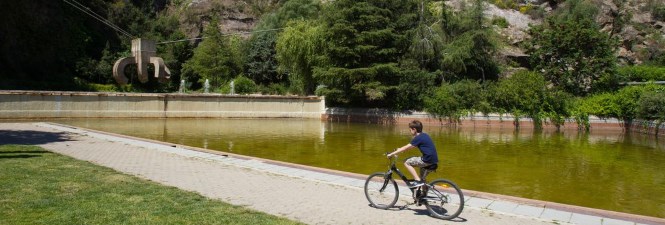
point(298, 51)
point(261, 64)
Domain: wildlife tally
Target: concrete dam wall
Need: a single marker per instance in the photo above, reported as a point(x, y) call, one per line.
point(49, 104)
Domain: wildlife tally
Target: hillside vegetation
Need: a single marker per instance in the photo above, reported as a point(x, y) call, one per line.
point(546, 60)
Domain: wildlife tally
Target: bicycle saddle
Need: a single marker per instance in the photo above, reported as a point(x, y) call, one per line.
point(431, 167)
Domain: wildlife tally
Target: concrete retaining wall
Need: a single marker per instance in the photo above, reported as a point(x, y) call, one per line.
point(42, 104)
point(383, 116)
point(648, 127)
point(47, 104)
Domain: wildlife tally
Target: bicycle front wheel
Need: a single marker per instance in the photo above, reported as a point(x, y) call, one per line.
point(381, 191)
point(444, 199)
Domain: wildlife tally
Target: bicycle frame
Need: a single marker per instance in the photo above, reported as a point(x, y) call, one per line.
point(393, 168)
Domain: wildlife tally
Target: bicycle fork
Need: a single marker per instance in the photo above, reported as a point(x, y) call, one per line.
point(386, 180)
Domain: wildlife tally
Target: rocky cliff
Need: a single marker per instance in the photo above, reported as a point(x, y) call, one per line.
point(641, 34)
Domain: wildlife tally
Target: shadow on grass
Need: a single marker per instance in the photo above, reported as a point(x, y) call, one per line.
point(13, 152)
point(26, 137)
point(21, 156)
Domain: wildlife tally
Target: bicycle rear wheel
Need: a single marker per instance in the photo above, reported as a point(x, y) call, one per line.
point(381, 191)
point(444, 199)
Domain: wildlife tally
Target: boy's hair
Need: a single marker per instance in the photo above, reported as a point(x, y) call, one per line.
point(417, 125)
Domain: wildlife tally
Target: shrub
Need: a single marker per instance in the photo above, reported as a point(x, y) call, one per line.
point(103, 87)
point(506, 4)
point(601, 105)
point(522, 93)
point(579, 113)
point(274, 89)
point(535, 12)
point(500, 22)
point(83, 85)
point(658, 13)
point(452, 100)
point(652, 105)
point(556, 107)
point(526, 93)
point(642, 73)
point(628, 103)
point(571, 50)
point(241, 85)
point(444, 103)
point(244, 85)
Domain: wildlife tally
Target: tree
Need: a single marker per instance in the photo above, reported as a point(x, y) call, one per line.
point(426, 42)
point(97, 71)
point(469, 44)
point(652, 105)
point(413, 88)
point(299, 51)
point(525, 93)
point(572, 52)
point(214, 59)
point(43, 50)
point(261, 63)
point(451, 100)
point(365, 40)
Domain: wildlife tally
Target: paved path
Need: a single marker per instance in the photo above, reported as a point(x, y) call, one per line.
point(310, 195)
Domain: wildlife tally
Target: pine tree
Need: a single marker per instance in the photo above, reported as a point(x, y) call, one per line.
point(366, 39)
point(214, 59)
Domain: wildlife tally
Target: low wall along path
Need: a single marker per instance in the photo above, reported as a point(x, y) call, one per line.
point(42, 104)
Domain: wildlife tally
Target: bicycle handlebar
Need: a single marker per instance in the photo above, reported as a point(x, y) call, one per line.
point(392, 159)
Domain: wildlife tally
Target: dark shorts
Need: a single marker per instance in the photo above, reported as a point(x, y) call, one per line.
point(416, 162)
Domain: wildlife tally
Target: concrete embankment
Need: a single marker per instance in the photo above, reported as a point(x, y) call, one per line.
point(48, 104)
point(491, 121)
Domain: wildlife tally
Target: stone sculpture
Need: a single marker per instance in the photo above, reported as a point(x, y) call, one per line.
point(144, 52)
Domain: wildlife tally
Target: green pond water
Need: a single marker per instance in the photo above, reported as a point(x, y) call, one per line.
point(608, 170)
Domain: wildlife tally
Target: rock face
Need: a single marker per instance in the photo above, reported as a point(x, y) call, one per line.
point(235, 17)
point(514, 17)
point(639, 36)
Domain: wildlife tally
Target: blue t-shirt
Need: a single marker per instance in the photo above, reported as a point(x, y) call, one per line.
point(426, 146)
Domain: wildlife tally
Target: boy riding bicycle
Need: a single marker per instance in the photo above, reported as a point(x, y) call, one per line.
point(423, 142)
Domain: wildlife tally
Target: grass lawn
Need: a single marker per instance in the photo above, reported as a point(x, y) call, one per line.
point(41, 187)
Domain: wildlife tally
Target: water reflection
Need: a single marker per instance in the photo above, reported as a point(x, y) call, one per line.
point(609, 170)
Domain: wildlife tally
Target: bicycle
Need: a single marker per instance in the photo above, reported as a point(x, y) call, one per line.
point(442, 198)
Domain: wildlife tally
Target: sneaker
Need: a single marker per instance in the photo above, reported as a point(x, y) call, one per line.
point(416, 183)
